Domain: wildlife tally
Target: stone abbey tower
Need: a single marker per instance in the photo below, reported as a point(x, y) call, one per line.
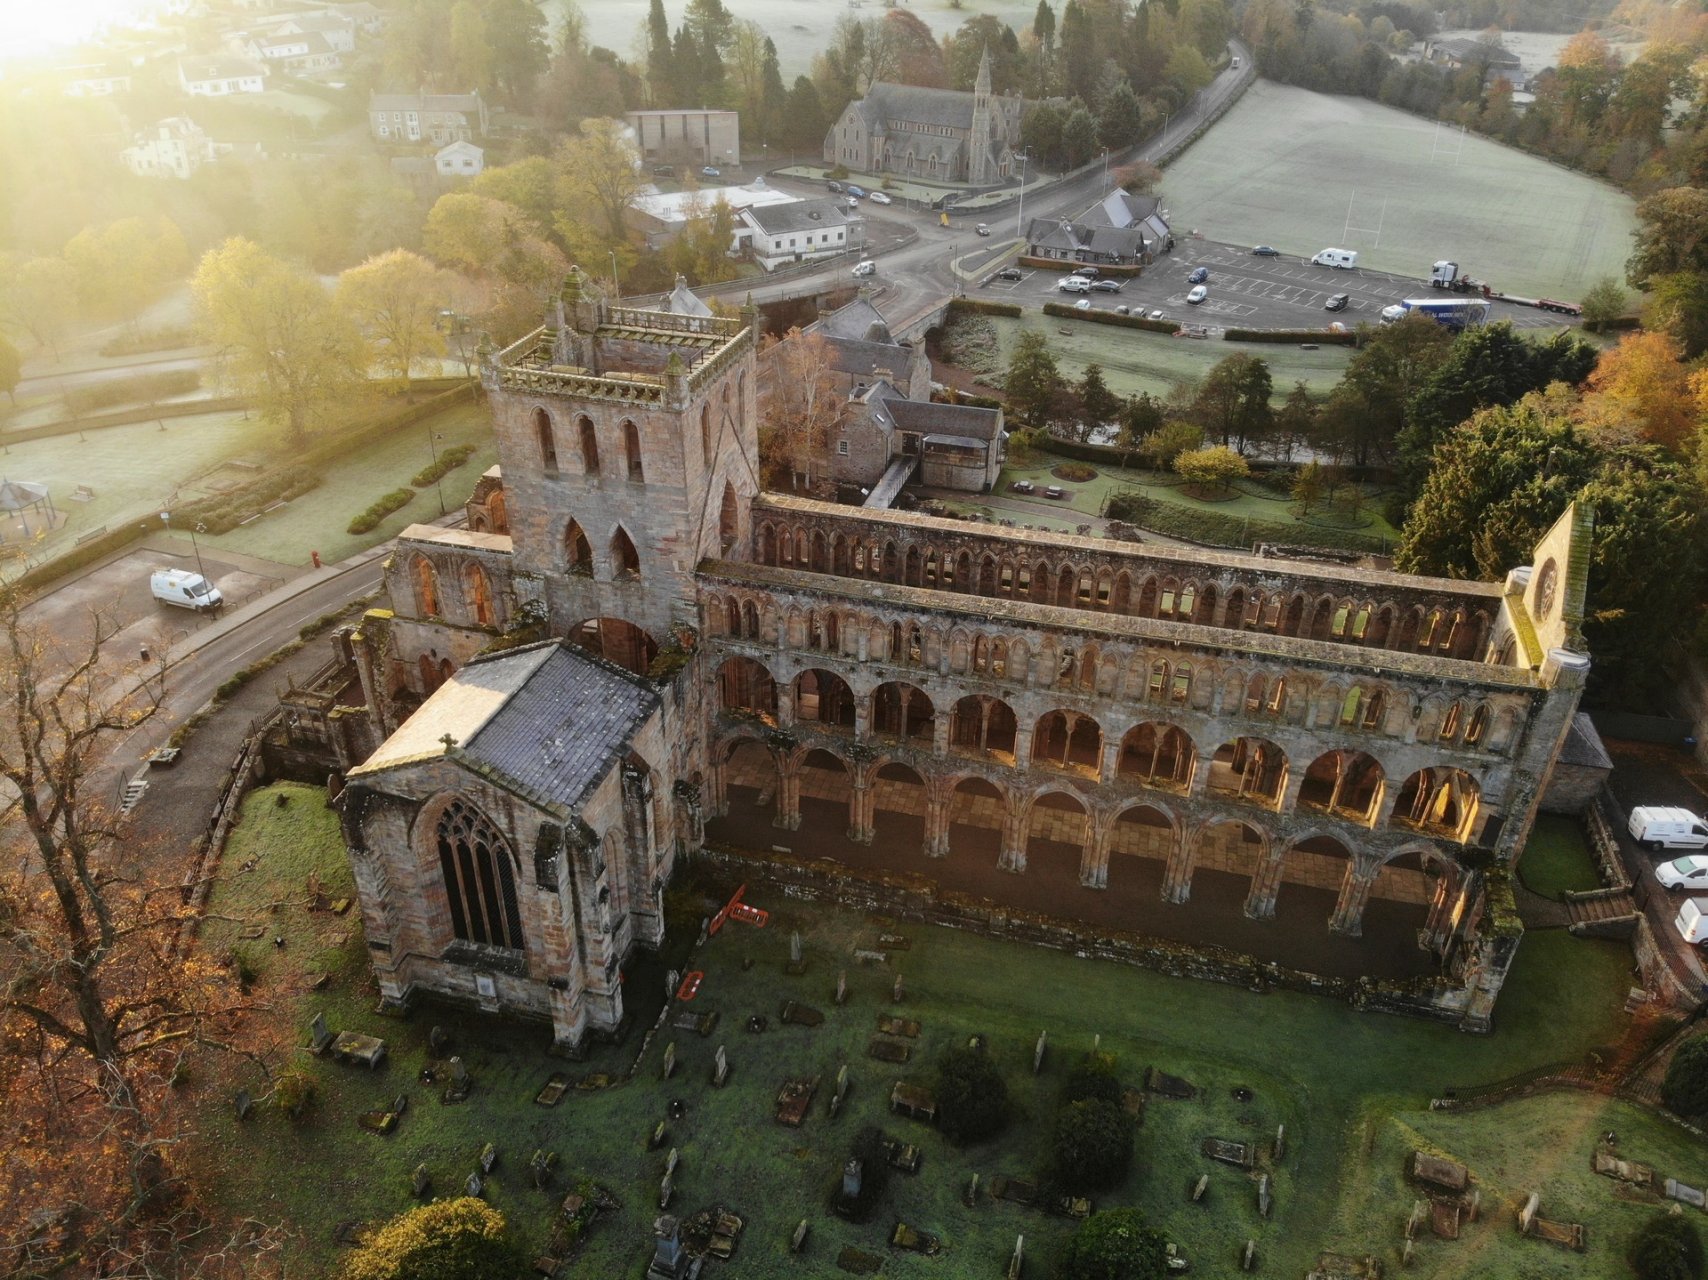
point(631, 652)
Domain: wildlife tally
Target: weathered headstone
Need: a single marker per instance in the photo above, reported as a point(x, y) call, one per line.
point(319, 1036)
point(970, 1197)
point(1097, 1043)
point(461, 1083)
point(720, 1071)
point(1200, 1187)
point(1263, 1196)
point(1038, 1052)
point(1527, 1215)
point(670, 1059)
point(851, 1179)
point(841, 986)
point(1406, 1254)
point(1280, 1148)
point(898, 993)
point(672, 983)
point(1476, 1206)
point(488, 1157)
point(1419, 1213)
point(1248, 1256)
point(541, 1164)
point(705, 929)
point(798, 1241)
point(1017, 1259)
point(795, 947)
point(666, 1190)
point(243, 1103)
point(400, 1104)
point(473, 1186)
point(420, 1182)
point(656, 1139)
point(671, 1161)
point(437, 1039)
point(669, 1260)
point(840, 1092)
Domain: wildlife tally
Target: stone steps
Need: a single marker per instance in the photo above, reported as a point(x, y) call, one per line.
point(1600, 908)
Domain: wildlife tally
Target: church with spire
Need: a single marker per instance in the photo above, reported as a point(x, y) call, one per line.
point(938, 135)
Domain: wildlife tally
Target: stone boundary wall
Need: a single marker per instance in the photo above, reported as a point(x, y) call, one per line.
point(917, 899)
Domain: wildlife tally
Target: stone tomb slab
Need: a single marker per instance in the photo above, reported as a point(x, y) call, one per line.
point(362, 1050)
point(703, 1023)
point(1167, 1086)
point(1239, 1154)
point(801, 1015)
point(857, 1262)
point(1444, 1217)
point(905, 1027)
point(793, 1100)
point(1449, 1175)
point(1013, 1190)
point(551, 1093)
point(888, 1050)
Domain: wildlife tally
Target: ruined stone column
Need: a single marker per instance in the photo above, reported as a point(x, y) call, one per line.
point(1094, 861)
point(1200, 780)
point(1295, 783)
point(937, 809)
point(863, 719)
point(1013, 856)
point(1177, 879)
point(1385, 804)
point(717, 787)
point(940, 732)
point(861, 802)
point(1439, 923)
point(1265, 885)
point(1023, 745)
point(785, 704)
point(788, 796)
point(1108, 766)
point(1348, 918)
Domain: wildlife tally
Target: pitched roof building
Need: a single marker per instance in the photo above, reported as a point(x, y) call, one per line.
point(427, 117)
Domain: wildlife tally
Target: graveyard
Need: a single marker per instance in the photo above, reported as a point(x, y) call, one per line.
point(1240, 1101)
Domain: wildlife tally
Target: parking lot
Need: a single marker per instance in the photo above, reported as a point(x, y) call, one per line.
point(1247, 291)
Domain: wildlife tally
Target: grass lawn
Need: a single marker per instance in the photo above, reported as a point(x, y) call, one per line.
point(317, 520)
point(1135, 360)
point(1293, 168)
point(1557, 859)
point(1312, 1064)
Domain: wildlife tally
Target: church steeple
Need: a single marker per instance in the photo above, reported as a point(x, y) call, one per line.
point(979, 169)
point(981, 86)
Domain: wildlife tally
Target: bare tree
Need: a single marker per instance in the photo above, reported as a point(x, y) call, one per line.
point(798, 405)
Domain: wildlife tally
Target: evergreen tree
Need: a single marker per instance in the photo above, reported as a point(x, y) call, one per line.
point(1100, 405)
point(660, 59)
point(773, 97)
point(1033, 378)
point(804, 119)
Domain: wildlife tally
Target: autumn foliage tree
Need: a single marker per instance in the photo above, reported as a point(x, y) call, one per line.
point(396, 298)
point(799, 405)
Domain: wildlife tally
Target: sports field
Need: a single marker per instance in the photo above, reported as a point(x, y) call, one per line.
point(1304, 171)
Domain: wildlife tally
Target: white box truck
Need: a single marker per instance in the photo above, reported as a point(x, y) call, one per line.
point(1345, 259)
point(185, 589)
point(1692, 921)
point(1665, 827)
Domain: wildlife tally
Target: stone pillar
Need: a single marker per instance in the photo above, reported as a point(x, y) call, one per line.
point(1386, 801)
point(1023, 745)
point(861, 802)
point(1439, 923)
point(1094, 860)
point(863, 719)
point(785, 704)
point(717, 787)
point(1265, 885)
point(940, 732)
point(1361, 873)
point(1014, 825)
point(1200, 780)
point(1295, 782)
point(937, 810)
point(1107, 767)
point(862, 642)
point(1177, 879)
point(788, 796)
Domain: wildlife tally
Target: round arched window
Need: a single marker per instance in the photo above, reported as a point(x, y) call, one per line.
point(1547, 585)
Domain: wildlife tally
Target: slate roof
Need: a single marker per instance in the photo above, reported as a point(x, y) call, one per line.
point(865, 359)
point(683, 302)
point(465, 102)
point(857, 321)
point(884, 102)
point(802, 215)
point(964, 420)
point(1052, 233)
point(547, 721)
point(1465, 50)
point(1120, 209)
point(1583, 745)
point(218, 68)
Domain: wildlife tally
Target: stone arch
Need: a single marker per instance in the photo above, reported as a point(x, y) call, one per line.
point(978, 810)
point(1157, 754)
point(1315, 864)
point(824, 698)
point(1346, 784)
point(1058, 828)
point(635, 466)
point(589, 441)
point(1441, 800)
point(1234, 616)
point(617, 640)
point(1142, 840)
point(1121, 593)
point(545, 438)
point(1381, 627)
point(477, 596)
point(1251, 769)
point(1070, 741)
point(729, 520)
point(577, 551)
point(983, 727)
point(625, 560)
point(750, 620)
point(424, 578)
point(903, 712)
point(1231, 850)
point(900, 796)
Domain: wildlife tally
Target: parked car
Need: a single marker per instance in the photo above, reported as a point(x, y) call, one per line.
point(834, 186)
point(1198, 276)
point(1337, 302)
point(1265, 251)
point(879, 197)
point(1106, 286)
point(711, 171)
point(856, 190)
point(1122, 309)
point(1089, 273)
point(1683, 874)
point(865, 267)
point(1198, 294)
point(1055, 491)
point(1692, 922)
point(1084, 304)
point(663, 171)
point(1073, 284)
point(1022, 486)
point(1664, 827)
point(1011, 273)
point(982, 229)
point(1157, 314)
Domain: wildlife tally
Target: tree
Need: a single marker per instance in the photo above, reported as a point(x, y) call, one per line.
point(1677, 304)
point(972, 1097)
point(1216, 467)
point(659, 56)
point(1120, 121)
point(41, 298)
point(1672, 235)
point(1141, 415)
point(279, 340)
point(11, 369)
point(1141, 177)
point(1099, 405)
point(598, 180)
point(1685, 1087)
point(396, 299)
point(1093, 1146)
point(799, 405)
point(529, 185)
point(470, 54)
point(516, 30)
point(805, 122)
point(1309, 486)
point(1369, 403)
point(461, 1239)
point(914, 55)
point(1161, 447)
point(1032, 379)
point(1114, 1244)
point(471, 231)
point(126, 264)
point(1233, 400)
point(1640, 391)
point(1079, 135)
point(1295, 423)
point(1666, 1247)
point(1603, 301)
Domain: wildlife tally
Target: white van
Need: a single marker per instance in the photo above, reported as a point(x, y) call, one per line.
point(1074, 284)
point(1661, 827)
point(1236, 64)
point(865, 267)
point(185, 589)
point(1692, 921)
point(1345, 259)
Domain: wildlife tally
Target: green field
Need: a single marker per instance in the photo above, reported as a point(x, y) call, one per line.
point(1351, 1089)
point(1292, 168)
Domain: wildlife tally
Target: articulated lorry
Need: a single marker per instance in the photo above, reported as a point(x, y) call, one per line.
point(1449, 313)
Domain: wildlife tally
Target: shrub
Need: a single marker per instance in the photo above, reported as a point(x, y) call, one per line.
point(1075, 472)
point(142, 341)
point(223, 512)
point(1115, 1244)
point(1135, 506)
point(396, 500)
point(1340, 337)
point(1093, 1080)
point(874, 1176)
point(1685, 1089)
point(1161, 447)
point(1214, 468)
point(1109, 317)
point(461, 1239)
point(1093, 1145)
point(972, 1098)
point(293, 1093)
point(144, 388)
point(449, 461)
point(840, 171)
point(1666, 1247)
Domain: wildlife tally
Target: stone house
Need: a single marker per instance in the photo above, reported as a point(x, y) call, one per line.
point(439, 118)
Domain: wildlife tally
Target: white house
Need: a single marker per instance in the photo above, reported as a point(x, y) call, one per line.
point(459, 160)
point(292, 51)
point(97, 82)
point(174, 148)
point(217, 77)
point(780, 234)
point(338, 30)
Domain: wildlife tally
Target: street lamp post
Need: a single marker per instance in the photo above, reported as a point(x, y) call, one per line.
point(1105, 170)
point(1020, 214)
point(616, 286)
point(438, 480)
point(198, 527)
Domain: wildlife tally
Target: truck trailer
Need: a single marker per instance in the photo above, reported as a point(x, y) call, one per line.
point(1449, 313)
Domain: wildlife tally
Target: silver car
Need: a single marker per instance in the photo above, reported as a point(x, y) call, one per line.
point(1683, 875)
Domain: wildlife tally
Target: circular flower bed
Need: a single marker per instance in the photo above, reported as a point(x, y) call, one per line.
point(1074, 472)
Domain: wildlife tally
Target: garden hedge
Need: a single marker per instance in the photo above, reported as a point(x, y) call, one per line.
point(983, 307)
point(396, 500)
point(1061, 264)
point(1111, 317)
point(1330, 337)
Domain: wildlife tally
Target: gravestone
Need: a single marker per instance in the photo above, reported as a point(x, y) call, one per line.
point(670, 1059)
point(473, 1186)
point(488, 1157)
point(1476, 1206)
point(1683, 1193)
point(243, 1103)
point(720, 1072)
point(319, 1037)
point(1263, 1196)
point(669, 1259)
point(400, 1104)
point(840, 1092)
point(438, 1039)
point(798, 1241)
point(1406, 1254)
point(551, 1093)
point(1017, 1259)
point(1097, 1043)
point(1200, 1187)
point(1280, 1148)
point(541, 1164)
point(841, 985)
point(851, 1179)
point(898, 993)
point(656, 1139)
point(666, 1191)
point(1419, 1211)
point(1038, 1052)
point(705, 929)
point(796, 963)
point(672, 983)
point(420, 1182)
point(1527, 1215)
point(671, 1161)
point(1248, 1256)
point(461, 1083)
point(970, 1197)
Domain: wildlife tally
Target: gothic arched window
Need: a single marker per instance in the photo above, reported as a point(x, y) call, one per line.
point(480, 880)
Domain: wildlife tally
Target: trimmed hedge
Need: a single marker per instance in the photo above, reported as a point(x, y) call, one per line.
point(396, 500)
point(1218, 529)
point(1065, 310)
point(1345, 338)
point(449, 460)
point(144, 341)
point(144, 388)
point(983, 307)
point(1062, 264)
point(225, 511)
point(1616, 323)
